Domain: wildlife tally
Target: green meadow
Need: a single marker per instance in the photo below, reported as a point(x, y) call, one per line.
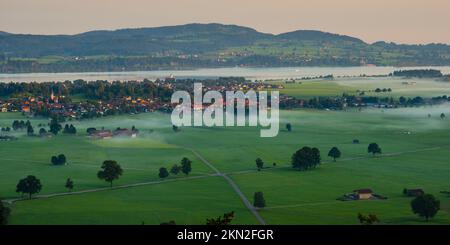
point(415, 148)
point(408, 87)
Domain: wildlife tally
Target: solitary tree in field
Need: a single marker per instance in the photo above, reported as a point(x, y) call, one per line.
point(258, 200)
point(334, 153)
point(442, 116)
point(163, 173)
point(374, 148)
point(259, 163)
point(4, 214)
point(69, 184)
point(425, 206)
point(111, 171)
point(30, 185)
point(175, 169)
point(186, 165)
point(289, 127)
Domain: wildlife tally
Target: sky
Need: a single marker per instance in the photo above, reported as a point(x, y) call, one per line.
point(401, 21)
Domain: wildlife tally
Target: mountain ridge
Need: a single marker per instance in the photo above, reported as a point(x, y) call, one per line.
point(105, 31)
point(197, 45)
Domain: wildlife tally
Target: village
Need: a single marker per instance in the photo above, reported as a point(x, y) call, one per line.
point(62, 108)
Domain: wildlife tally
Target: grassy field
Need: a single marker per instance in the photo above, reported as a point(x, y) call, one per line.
point(187, 202)
point(338, 86)
point(415, 151)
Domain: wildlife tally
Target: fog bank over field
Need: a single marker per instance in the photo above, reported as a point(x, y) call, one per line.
point(414, 119)
point(420, 112)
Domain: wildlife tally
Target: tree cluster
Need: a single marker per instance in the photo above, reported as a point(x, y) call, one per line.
point(306, 158)
point(58, 160)
point(224, 220)
point(184, 167)
point(69, 129)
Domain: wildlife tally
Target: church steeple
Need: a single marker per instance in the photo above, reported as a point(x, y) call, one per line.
point(53, 97)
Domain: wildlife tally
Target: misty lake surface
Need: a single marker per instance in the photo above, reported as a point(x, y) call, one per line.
point(249, 73)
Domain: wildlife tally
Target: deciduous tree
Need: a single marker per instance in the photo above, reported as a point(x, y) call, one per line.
point(258, 200)
point(425, 206)
point(29, 185)
point(259, 163)
point(69, 184)
point(186, 165)
point(334, 153)
point(306, 158)
point(175, 169)
point(374, 148)
point(111, 171)
point(163, 173)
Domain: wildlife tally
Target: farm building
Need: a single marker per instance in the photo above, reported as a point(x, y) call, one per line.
point(124, 132)
point(413, 192)
point(101, 134)
point(363, 194)
point(26, 109)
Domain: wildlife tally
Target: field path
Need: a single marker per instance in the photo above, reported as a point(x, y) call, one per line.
point(235, 187)
point(216, 173)
point(10, 201)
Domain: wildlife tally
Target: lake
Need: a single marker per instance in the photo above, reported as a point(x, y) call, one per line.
point(250, 73)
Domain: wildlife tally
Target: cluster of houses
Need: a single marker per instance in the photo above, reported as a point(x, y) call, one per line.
point(54, 105)
point(108, 134)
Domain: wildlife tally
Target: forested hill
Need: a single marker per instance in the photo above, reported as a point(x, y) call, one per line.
point(189, 39)
point(202, 45)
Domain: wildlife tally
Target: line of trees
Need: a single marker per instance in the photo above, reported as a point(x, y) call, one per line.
point(184, 167)
point(420, 73)
point(100, 89)
point(69, 129)
point(224, 220)
point(307, 157)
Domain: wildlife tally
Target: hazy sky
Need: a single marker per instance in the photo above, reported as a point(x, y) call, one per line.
point(403, 21)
